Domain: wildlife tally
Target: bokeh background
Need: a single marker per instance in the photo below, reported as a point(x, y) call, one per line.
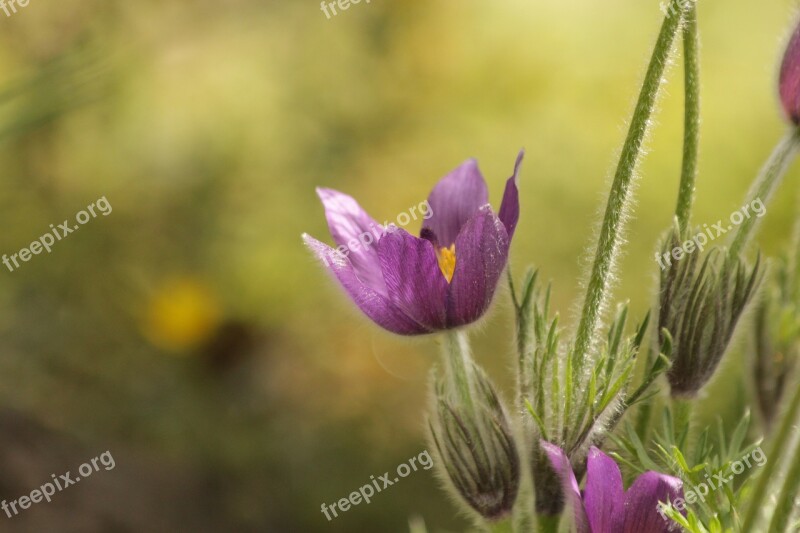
point(191, 334)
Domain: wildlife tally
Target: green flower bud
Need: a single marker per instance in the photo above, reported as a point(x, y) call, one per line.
point(700, 308)
point(476, 447)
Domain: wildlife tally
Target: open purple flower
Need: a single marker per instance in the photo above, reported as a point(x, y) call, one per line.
point(604, 506)
point(789, 81)
point(443, 279)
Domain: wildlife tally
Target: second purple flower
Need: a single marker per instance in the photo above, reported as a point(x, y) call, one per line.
point(605, 506)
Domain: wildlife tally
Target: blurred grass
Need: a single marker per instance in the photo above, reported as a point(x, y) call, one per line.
point(207, 126)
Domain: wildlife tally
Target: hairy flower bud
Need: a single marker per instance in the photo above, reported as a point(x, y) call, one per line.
point(477, 448)
point(700, 309)
point(777, 337)
point(789, 81)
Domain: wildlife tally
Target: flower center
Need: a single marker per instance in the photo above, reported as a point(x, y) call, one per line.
point(447, 261)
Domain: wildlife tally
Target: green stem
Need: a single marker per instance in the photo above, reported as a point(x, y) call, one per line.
point(523, 510)
point(619, 197)
point(417, 525)
point(768, 179)
point(629, 401)
point(691, 126)
point(504, 526)
point(794, 259)
point(548, 524)
point(786, 498)
point(523, 340)
point(778, 445)
point(643, 420)
point(642, 423)
point(458, 362)
point(682, 423)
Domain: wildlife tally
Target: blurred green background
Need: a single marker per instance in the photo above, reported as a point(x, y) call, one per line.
point(190, 333)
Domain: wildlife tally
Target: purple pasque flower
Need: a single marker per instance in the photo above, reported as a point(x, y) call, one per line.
point(443, 279)
point(605, 506)
point(789, 80)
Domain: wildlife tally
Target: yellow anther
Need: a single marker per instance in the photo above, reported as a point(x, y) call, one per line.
point(447, 261)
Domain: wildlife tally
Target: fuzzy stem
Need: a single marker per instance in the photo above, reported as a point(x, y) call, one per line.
point(642, 425)
point(620, 196)
point(548, 524)
point(768, 179)
point(682, 422)
point(504, 526)
point(691, 126)
point(629, 401)
point(786, 498)
point(459, 365)
point(523, 343)
point(417, 525)
point(779, 445)
point(523, 509)
point(794, 257)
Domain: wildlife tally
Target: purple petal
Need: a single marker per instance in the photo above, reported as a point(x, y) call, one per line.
point(375, 305)
point(604, 497)
point(414, 281)
point(789, 81)
point(509, 209)
point(642, 503)
point(354, 229)
point(454, 200)
point(569, 485)
point(481, 255)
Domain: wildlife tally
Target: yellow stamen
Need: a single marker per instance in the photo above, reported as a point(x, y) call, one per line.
point(447, 261)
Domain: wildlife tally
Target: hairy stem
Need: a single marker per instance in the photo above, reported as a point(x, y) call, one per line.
point(682, 422)
point(458, 362)
point(786, 498)
point(779, 445)
point(548, 524)
point(794, 255)
point(620, 196)
point(504, 526)
point(691, 119)
point(523, 342)
point(765, 184)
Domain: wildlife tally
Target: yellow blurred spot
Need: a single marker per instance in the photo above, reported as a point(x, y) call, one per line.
point(447, 261)
point(181, 315)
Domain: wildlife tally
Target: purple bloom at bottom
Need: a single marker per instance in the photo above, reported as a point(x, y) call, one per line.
point(605, 506)
point(443, 279)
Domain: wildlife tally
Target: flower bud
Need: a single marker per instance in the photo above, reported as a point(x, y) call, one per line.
point(477, 448)
point(789, 81)
point(777, 338)
point(700, 309)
